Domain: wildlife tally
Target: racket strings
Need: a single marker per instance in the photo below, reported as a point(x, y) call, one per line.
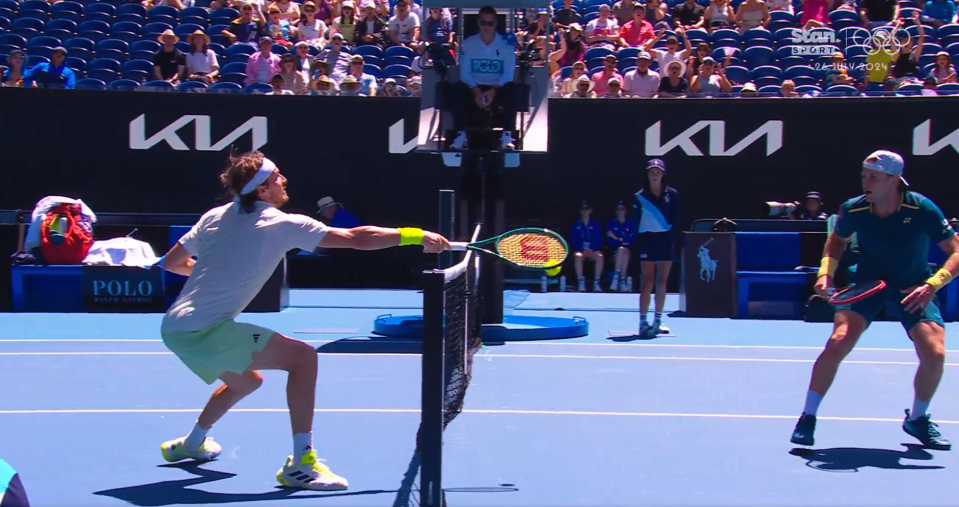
point(532, 250)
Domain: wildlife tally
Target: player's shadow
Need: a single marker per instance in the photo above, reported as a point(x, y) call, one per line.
point(181, 491)
point(852, 459)
point(372, 345)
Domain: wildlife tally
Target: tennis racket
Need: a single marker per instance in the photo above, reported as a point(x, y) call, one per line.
point(855, 293)
point(530, 248)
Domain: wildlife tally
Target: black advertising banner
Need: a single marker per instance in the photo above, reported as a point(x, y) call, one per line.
point(709, 275)
point(162, 152)
point(118, 289)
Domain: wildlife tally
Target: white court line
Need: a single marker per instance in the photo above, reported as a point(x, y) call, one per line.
point(512, 356)
point(468, 411)
point(532, 343)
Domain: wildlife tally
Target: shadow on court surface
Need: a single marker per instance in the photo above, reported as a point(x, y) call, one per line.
point(372, 345)
point(180, 492)
point(852, 459)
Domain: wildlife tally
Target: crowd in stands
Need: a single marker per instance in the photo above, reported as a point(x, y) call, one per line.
point(593, 48)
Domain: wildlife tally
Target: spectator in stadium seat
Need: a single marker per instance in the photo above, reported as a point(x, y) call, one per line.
point(324, 12)
point(371, 30)
point(788, 89)
point(351, 87)
point(304, 60)
point(176, 4)
point(584, 89)
point(603, 32)
point(752, 14)
point(310, 29)
point(415, 85)
point(278, 29)
point(333, 214)
point(876, 13)
point(289, 10)
point(295, 78)
point(565, 15)
point(688, 15)
point(815, 13)
point(620, 236)
point(786, 5)
point(391, 89)
point(534, 28)
point(54, 74)
point(642, 82)
point(878, 64)
point(711, 79)
point(939, 12)
point(674, 84)
point(201, 62)
point(672, 52)
point(656, 14)
point(571, 49)
point(569, 84)
point(436, 28)
point(169, 63)
point(944, 72)
point(929, 87)
point(748, 90)
point(906, 64)
point(614, 90)
point(812, 208)
point(601, 78)
point(404, 28)
point(323, 86)
point(367, 81)
point(264, 64)
point(13, 72)
point(623, 11)
point(838, 74)
point(587, 242)
point(336, 58)
point(279, 86)
point(719, 14)
point(344, 24)
point(638, 32)
point(247, 28)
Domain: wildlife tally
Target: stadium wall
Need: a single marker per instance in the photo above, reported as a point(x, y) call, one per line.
point(161, 152)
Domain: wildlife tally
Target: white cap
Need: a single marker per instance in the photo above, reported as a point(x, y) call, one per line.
point(885, 162)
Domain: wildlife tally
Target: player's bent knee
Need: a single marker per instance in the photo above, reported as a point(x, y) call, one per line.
point(930, 340)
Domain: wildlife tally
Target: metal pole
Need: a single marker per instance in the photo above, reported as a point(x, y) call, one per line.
point(430, 439)
point(447, 226)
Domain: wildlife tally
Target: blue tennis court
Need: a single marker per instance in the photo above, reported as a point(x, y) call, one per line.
point(702, 417)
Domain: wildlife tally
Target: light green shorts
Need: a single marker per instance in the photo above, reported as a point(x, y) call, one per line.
point(223, 347)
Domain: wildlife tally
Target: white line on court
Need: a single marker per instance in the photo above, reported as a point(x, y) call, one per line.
point(529, 343)
point(468, 411)
point(512, 356)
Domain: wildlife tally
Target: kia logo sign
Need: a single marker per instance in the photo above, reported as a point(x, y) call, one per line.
point(256, 126)
point(772, 131)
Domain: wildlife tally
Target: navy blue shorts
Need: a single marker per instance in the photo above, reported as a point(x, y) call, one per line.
point(655, 246)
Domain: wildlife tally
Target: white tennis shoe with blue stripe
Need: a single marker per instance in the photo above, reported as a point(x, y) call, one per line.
point(310, 474)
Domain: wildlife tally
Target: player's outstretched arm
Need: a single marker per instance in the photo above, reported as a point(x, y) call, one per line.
point(178, 260)
point(369, 237)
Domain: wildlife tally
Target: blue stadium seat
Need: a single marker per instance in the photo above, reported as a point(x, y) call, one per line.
point(78, 65)
point(908, 90)
point(804, 89)
point(13, 40)
point(766, 75)
point(792, 61)
point(133, 18)
point(948, 89)
point(90, 84)
point(233, 77)
point(195, 12)
point(138, 70)
point(193, 20)
point(132, 8)
point(152, 30)
point(36, 60)
point(240, 48)
point(162, 10)
point(600, 53)
point(43, 41)
point(396, 60)
point(116, 44)
point(368, 51)
point(758, 57)
point(725, 34)
point(126, 26)
point(697, 35)
point(33, 23)
point(145, 45)
point(373, 70)
point(94, 25)
point(234, 67)
point(395, 71)
point(61, 24)
point(372, 60)
point(157, 86)
point(10, 5)
point(79, 42)
point(399, 51)
point(257, 88)
point(100, 7)
point(123, 85)
point(191, 87)
point(184, 30)
point(225, 87)
point(238, 58)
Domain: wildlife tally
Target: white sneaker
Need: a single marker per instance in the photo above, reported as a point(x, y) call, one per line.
point(660, 327)
point(506, 142)
point(615, 283)
point(623, 287)
point(175, 450)
point(310, 474)
point(581, 286)
point(460, 142)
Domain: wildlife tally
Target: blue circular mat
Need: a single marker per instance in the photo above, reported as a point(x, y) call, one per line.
point(513, 328)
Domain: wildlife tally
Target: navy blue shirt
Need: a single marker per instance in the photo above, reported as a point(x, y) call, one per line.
point(625, 231)
point(655, 214)
point(586, 236)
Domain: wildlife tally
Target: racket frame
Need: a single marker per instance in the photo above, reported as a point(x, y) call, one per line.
point(494, 241)
point(833, 299)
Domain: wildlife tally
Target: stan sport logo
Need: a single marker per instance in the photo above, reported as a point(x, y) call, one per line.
point(826, 42)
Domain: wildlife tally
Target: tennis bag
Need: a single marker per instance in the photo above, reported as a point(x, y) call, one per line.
point(66, 235)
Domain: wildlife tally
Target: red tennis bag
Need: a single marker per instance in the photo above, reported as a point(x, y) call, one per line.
point(66, 235)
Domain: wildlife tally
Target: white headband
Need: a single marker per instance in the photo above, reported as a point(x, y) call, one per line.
point(265, 171)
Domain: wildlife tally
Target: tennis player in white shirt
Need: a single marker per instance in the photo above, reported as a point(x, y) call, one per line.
point(238, 246)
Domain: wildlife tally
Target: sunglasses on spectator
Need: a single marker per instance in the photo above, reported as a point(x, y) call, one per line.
point(487, 23)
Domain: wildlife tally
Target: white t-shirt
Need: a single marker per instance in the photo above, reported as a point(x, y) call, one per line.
point(404, 27)
point(236, 254)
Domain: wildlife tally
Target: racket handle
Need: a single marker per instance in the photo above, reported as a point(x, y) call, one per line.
point(458, 246)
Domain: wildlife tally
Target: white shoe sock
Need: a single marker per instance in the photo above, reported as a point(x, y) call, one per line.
point(302, 444)
point(196, 437)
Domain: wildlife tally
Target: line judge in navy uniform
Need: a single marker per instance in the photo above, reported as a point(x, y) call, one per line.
point(12, 493)
point(894, 227)
point(655, 209)
point(587, 243)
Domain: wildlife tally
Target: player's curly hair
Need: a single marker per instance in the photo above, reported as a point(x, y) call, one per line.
point(239, 171)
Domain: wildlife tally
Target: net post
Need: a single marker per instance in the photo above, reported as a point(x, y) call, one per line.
point(430, 438)
point(491, 286)
point(447, 224)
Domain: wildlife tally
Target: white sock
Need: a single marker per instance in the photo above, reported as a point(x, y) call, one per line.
point(195, 438)
point(919, 409)
point(813, 399)
point(302, 444)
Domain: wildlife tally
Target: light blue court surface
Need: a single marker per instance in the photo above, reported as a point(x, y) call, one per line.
point(699, 418)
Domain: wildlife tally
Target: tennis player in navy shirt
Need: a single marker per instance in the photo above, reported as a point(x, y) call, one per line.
point(655, 208)
point(587, 243)
point(620, 236)
point(894, 228)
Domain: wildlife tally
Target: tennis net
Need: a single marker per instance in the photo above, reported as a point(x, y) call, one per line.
point(452, 329)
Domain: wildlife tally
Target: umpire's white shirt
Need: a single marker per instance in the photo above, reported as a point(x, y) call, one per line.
point(236, 254)
point(487, 64)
